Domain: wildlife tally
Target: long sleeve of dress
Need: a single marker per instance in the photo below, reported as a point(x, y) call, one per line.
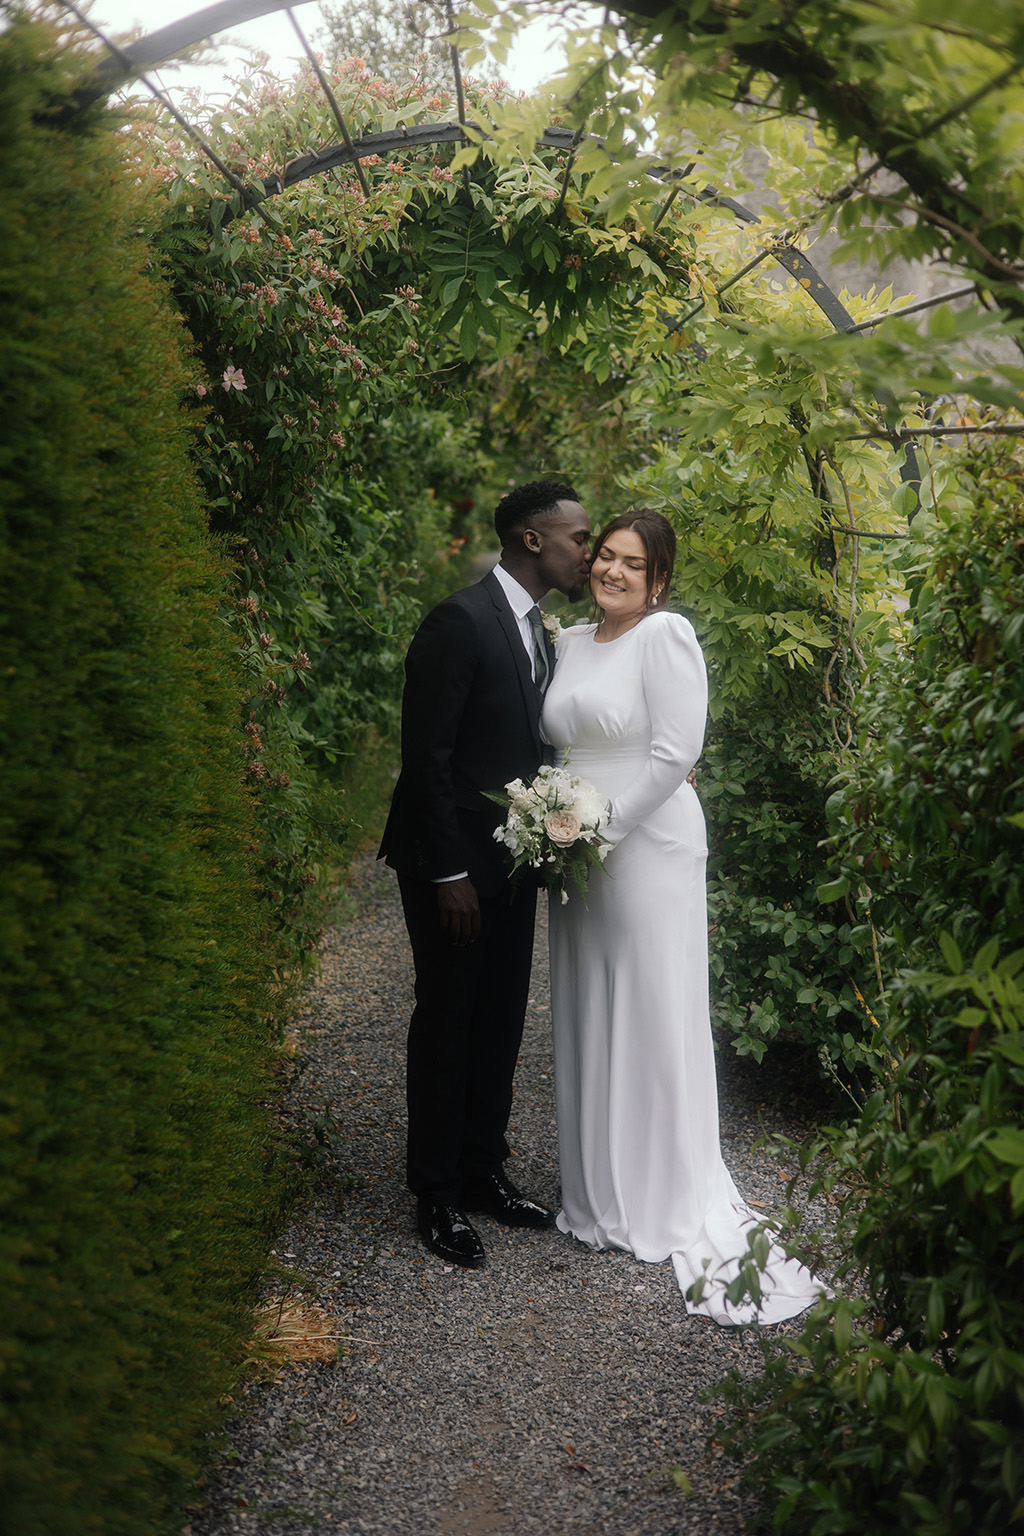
point(675, 687)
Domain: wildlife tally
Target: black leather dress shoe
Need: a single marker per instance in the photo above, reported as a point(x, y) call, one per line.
point(447, 1233)
point(498, 1197)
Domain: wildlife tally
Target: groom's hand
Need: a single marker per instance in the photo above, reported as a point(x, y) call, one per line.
point(458, 907)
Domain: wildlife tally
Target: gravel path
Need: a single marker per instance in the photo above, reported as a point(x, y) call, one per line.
point(556, 1390)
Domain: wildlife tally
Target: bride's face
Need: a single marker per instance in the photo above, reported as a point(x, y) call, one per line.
point(618, 575)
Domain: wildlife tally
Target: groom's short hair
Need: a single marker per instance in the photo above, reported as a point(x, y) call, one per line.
point(538, 498)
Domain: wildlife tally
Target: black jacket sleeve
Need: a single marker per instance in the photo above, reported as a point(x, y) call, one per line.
point(440, 670)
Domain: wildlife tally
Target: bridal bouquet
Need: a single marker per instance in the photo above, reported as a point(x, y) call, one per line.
point(554, 826)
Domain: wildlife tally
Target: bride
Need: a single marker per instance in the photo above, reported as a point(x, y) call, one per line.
point(634, 1065)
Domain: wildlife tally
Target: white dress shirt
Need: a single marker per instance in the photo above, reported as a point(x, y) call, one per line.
point(520, 602)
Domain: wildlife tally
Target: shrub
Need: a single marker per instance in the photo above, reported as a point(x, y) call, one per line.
point(782, 969)
point(904, 1408)
point(928, 814)
point(134, 1181)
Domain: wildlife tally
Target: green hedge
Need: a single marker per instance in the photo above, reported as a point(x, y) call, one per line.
point(134, 1183)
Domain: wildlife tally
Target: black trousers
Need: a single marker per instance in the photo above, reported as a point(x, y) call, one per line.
point(464, 1037)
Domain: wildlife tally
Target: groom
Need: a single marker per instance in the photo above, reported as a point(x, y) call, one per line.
point(475, 678)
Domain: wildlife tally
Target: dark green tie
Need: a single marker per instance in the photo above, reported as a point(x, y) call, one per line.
point(541, 671)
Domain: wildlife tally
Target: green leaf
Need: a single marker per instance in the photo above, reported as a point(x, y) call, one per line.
point(1008, 1146)
point(469, 335)
point(942, 323)
point(950, 952)
point(834, 890)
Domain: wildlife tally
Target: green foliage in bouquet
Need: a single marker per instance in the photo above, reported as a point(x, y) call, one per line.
point(136, 1182)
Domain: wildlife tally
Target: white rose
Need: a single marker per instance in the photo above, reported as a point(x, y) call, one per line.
point(563, 826)
point(592, 810)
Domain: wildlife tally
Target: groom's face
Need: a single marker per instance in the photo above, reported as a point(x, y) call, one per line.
point(563, 549)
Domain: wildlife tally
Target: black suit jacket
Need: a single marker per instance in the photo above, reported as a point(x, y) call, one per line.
point(470, 722)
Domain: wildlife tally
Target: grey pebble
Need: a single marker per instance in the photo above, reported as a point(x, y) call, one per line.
point(553, 1391)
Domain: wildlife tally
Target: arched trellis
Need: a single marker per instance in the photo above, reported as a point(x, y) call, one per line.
point(128, 63)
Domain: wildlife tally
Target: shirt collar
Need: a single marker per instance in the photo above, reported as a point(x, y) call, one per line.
point(519, 599)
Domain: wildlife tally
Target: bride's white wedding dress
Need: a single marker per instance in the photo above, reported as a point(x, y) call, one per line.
point(634, 1065)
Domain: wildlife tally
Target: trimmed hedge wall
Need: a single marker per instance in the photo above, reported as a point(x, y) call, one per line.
point(135, 1180)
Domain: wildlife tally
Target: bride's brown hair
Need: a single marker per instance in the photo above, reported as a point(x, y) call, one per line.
point(658, 537)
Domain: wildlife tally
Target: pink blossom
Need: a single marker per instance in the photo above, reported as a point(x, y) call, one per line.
point(233, 378)
point(200, 390)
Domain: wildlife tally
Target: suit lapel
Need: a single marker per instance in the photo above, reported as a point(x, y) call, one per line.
point(510, 629)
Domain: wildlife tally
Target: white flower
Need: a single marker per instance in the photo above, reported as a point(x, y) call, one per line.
point(519, 793)
point(592, 810)
point(552, 624)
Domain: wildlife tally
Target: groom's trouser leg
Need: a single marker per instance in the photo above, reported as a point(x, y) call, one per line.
point(464, 1037)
